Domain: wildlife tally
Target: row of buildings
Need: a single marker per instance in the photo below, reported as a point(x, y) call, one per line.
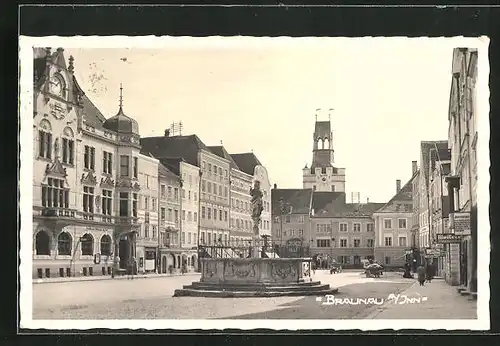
point(432, 218)
point(101, 193)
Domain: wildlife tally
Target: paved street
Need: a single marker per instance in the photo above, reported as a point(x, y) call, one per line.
point(152, 299)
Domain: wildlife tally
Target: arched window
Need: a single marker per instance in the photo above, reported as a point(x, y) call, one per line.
point(45, 139)
point(87, 245)
point(106, 245)
point(68, 146)
point(320, 143)
point(42, 243)
point(326, 143)
point(64, 244)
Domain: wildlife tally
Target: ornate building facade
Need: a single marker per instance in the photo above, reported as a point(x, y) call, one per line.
point(86, 183)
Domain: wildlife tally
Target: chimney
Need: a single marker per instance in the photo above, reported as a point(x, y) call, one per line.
point(367, 200)
point(398, 185)
point(275, 186)
point(167, 133)
point(413, 167)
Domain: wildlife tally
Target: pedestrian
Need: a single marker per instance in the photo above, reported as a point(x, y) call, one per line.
point(429, 272)
point(421, 275)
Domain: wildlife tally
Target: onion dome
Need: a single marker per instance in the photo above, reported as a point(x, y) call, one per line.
point(122, 123)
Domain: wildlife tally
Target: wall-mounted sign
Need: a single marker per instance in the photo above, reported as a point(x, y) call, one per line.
point(460, 223)
point(448, 238)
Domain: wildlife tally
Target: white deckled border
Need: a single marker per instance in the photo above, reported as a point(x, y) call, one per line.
point(26, 176)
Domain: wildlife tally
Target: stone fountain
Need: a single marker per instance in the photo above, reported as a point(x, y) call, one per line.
point(255, 276)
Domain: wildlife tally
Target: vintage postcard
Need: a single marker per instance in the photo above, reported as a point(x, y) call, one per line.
point(278, 183)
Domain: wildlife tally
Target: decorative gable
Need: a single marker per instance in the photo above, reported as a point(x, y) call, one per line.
point(107, 182)
point(89, 179)
point(56, 169)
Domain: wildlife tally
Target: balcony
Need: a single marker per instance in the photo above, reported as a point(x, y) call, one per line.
point(172, 226)
point(66, 216)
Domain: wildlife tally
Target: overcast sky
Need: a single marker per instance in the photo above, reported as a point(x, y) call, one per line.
point(388, 95)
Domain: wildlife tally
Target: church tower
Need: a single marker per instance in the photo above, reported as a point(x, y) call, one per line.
point(323, 175)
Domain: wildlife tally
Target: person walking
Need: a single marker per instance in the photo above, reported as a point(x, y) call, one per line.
point(429, 272)
point(421, 275)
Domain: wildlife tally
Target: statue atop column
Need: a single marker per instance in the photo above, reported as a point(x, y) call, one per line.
point(257, 206)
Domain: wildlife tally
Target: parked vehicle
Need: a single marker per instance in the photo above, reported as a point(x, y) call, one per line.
point(335, 268)
point(374, 270)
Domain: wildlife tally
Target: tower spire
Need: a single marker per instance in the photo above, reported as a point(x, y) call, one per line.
point(121, 96)
point(330, 113)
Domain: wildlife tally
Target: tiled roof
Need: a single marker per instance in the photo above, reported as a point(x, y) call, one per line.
point(425, 148)
point(165, 172)
point(296, 201)
point(401, 202)
point(339, 208)
point(186, 147)
point(322, 199)
point(91, 113)
point(246, 162)
point(172, 164)
point(221, 152)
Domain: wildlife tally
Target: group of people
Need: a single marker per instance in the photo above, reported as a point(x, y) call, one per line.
point(425, 273)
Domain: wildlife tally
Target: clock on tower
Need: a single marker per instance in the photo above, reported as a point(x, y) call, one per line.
point(57, 86)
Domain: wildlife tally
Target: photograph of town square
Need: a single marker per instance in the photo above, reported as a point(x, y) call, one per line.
point(266, 183)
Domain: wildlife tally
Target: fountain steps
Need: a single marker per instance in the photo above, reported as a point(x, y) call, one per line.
point(198, 289)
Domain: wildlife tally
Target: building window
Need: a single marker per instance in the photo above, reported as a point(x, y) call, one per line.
point(357, 227)
point(124, 166)
point(388, 241)
point(45, 144)
point(220, 215)
point(195, 216)
point(123, 203)
point(220, 190)
point(387, 260)
point(215, 214)
point(203, 185)
point(89, 157)
point(370, 242)
point(209, 213)
point(344, 259)
point(42, 243)
point(176, 216)
point(54, 194)
point(106, 245)
point(287, 219)
point(343, 242)
point(202, 212)
point(154, 231)
point(87, 245)
point(146, 230)
point(402, 223)
point(209, 187)
point(88, 199)
point(153, 203)
point(225, 216)
point(343, 227)
point(68, 150)
point(169, 192)
point(369, 227)
point(134, 205)
point(387, 223)
point(106, 204)
point(225, 191)
point(323, 242)
point(136, 167)
point(190, 216)
point(357, 242)
point(195, 197)
point(162, 191)
point(170, 215)
point(184, 193)
point(333, 188)
point(402, 241)
point(189, 195)
point(107, 162)
point(176, 193)
point(162, 214)
point(64, 244)
point(183, 215)
point(146, 203)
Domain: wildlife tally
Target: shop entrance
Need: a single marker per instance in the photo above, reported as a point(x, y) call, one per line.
point(164, 264)
point(124, 253)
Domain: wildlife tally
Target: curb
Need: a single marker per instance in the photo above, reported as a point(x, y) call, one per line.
point(109, 278)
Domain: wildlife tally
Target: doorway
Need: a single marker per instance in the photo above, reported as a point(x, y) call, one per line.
point(124, 253)
point(164, 264)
